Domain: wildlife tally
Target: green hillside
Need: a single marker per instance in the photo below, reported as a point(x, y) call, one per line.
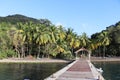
point(113, 31)
point(21, 36)
point(13, 19)
point(17, 18)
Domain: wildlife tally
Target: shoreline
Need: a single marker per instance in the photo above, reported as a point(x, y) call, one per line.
point(46, 60)
point(106, 59)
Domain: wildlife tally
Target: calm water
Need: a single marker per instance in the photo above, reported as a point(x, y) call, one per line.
point(111, 69)
point(32, 71)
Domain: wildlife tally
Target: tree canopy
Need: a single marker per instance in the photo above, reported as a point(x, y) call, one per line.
point(21, 36)
point(110, 38)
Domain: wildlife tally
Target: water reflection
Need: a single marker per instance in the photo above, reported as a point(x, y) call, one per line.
point(32, 71)
point(111, 69)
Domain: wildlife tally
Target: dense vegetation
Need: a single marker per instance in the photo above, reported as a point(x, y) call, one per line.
point(13, 19)
point(21, 36)
point(112, 42)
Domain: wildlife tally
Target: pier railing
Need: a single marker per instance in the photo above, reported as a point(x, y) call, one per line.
point(54, 76)
point(94, 72)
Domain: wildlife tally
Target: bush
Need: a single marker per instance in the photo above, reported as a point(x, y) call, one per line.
point(7, 53)
point(10, 53)
point(67, 55)
point(3, 55)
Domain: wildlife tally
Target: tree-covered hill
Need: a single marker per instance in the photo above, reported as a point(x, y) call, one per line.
point(17, 18)
point(13, 19)
point(21, 36)
point(113, 32)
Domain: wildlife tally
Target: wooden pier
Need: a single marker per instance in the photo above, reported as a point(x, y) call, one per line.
point(77, 70)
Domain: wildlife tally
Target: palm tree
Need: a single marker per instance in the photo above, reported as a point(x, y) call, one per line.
point(28, 30)
point(53, 32)
point(97, 42)
point(57, 35)
point(74, 43)
point(61, 46)
point(72, 39)
point(42, 36)
point(17, 41)
point(84, 40)
point(61, 33)
point(23, 34)
point(92, 46)
point(104, 38)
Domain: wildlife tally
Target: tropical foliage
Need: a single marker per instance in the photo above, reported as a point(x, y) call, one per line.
point(109, 41)
point(21, 36)
point(39, 38)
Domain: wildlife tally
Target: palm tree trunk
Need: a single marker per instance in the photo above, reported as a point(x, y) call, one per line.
point(29, 50)
point(104, 51)
point(99, 52)
point(38, 52)
point(17, 52)
point(23, 52)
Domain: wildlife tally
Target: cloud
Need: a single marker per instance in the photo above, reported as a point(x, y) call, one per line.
point(61, 24)
point(58, 24)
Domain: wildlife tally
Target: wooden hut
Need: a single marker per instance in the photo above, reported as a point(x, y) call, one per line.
point(84, 51)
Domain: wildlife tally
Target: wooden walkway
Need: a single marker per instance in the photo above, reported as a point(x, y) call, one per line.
point(79, 70)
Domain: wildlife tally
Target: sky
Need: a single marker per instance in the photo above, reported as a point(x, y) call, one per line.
point(89, 16)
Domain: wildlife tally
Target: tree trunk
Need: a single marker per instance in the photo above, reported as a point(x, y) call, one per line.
point(29, 51)
point(104, 51)
point(23, 52)
point(17, 52)
point(38, 52)
point(27, 48)
point(99, 51)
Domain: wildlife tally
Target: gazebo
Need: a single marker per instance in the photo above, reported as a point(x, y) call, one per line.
point(83, 49)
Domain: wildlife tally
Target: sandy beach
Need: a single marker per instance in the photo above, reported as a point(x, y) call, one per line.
point(99, 59)
point(44, 60)
point(48, 60)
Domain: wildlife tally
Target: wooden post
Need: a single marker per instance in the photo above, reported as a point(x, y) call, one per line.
point(89, 54)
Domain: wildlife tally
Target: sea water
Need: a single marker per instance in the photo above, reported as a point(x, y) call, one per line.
point(28, 71)
point(111, 70)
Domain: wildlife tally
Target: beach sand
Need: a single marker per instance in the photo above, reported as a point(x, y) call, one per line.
point(99, 59)
point(41, 60)
point(49, 60)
